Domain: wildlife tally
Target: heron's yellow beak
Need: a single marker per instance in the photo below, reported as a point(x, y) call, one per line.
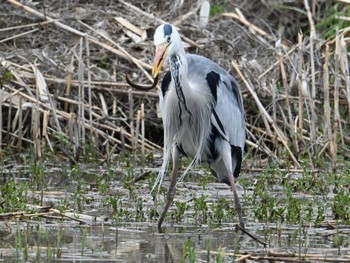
point(161, 51)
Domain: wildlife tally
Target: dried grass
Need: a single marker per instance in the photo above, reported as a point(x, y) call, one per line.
point(68, 61)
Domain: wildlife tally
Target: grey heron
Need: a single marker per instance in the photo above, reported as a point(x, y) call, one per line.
point(202, 111)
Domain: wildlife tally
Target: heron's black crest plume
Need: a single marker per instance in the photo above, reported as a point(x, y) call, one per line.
point(168, 29)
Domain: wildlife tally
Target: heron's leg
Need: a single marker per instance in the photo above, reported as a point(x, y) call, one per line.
point(227, 159)
point(236, 200)
point(171, 190)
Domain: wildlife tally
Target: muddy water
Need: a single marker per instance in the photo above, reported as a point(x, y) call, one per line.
point(140, 242)
point(121, 234)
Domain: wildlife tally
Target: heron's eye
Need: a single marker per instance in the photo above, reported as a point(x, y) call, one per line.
point(168, 38)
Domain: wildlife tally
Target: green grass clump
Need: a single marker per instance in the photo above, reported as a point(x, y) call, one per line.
point(180, 209)
point(216, 9)
point(201, 207)
point(13, 196)
point(221, 210)
point(331, 22)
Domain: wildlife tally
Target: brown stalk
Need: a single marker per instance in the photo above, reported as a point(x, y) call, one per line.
point(20, 125)
point(36, 133)
point(327, 107)
point(143, 133)
point(81, 113)
point(300, 76)
point(137, 130)
point(274, 112)
point(45, 125)
point(336, 105)
point(131, 119)
point(70, 70)
point(89, 78)
point(9, 118)
point(19, 35)
point(122, 140)
point(313, 75)
point(286, 93)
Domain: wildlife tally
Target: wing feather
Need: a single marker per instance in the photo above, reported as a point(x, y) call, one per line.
point(229, 105)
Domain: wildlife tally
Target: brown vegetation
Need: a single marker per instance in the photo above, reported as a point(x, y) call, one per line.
point(62, 69)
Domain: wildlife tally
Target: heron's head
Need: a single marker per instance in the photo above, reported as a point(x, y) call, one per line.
point(167, 41)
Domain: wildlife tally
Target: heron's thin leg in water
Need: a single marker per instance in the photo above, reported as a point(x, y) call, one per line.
point(171, 190)
point(236, 200)
point(170, 198)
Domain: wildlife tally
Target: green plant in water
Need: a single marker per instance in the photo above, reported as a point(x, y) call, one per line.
point(90, 151)
point(203, 181)
point(140, 215)
point(83, 241)
point(320, 217)
point(38, 178)
point(127, 178)
point(18, 242)
point(180, 209)
point(189, 253)
point(38, 244)
point(264, 207)
point(208, 249)
point(13, 196)
point(153, 213)
point(58, 248)
point(341, 205)
point(293, 208)
point(201, 207)
point(26, 246)
point(63, 205)
point(112, 201)
point(220, 210)
point(49, 252)
point(220, 255)
point(122, 214)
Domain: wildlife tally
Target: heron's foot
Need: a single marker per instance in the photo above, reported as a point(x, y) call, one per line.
point(241, 224)
point(160, 229)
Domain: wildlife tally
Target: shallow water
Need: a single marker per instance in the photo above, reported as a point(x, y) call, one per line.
point(128, 233)
point(140, 242)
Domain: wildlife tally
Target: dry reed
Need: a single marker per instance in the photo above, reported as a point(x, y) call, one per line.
point(88, 100)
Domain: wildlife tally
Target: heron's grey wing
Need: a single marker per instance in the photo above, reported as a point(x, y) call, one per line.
point(227, 116)
point(228, 112)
